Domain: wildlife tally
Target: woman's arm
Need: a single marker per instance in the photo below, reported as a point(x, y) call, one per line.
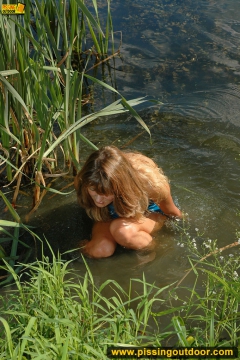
point(169, 208)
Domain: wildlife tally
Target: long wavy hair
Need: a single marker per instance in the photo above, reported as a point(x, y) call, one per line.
point(132, 178)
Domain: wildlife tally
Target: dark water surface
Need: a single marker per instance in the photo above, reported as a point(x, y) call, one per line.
point(185, 54)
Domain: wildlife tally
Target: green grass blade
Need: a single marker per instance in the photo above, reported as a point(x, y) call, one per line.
point(37, 46)
point(14, 93)
point(89, 16)
point(124, 101)
point(26, 334)
point(8, 336)
point(8, 72)
point(180, 329)
point(88, 141)
point(10, 208)
point(135, 114)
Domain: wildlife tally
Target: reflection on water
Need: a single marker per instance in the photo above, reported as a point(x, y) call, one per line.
point(177, 46)
point(186, 54)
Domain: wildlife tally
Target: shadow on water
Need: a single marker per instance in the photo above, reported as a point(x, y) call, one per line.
point(63, 224)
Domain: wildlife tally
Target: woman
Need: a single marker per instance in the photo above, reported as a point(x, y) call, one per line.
point(127, 195)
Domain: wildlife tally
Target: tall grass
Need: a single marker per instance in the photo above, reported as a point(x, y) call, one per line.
point(56, 314)
point(53, 316)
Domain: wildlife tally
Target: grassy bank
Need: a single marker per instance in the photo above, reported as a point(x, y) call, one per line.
point(55, 315)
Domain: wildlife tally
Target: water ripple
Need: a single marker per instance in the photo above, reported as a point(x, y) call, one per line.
point(222, 104)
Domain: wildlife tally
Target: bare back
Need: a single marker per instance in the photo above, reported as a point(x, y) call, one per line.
point(156, 182)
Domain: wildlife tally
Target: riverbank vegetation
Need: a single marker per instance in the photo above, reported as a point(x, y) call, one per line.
point(55, 314)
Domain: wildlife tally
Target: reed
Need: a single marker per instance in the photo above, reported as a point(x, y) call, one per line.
point(42, 93)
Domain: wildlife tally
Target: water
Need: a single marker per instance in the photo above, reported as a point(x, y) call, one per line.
point(186, 55)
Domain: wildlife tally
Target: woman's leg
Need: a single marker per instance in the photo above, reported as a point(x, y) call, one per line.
point(102, 243)
point(125, 232)
point(136, 235)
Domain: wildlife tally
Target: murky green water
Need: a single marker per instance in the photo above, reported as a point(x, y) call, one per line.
point(185, 54)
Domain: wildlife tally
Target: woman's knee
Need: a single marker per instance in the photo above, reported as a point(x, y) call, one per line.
point(104, 248)
point(123, 232)
point(131, 235)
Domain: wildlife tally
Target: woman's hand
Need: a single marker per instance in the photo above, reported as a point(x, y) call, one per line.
point(168, 207)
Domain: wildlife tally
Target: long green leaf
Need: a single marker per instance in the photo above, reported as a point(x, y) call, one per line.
point(8, 336)
point(87, 13)
point(14, 93)
point(8, 72)
point(124, 101)
point(181, 331)
point(9, 223)
point(33, 41)
point(8, 132)
point(135, 114)
point(10, 208)
point(26, 334)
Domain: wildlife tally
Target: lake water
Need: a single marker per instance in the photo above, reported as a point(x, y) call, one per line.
point(184, 54)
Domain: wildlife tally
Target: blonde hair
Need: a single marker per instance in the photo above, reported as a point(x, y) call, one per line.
point(132, 178)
